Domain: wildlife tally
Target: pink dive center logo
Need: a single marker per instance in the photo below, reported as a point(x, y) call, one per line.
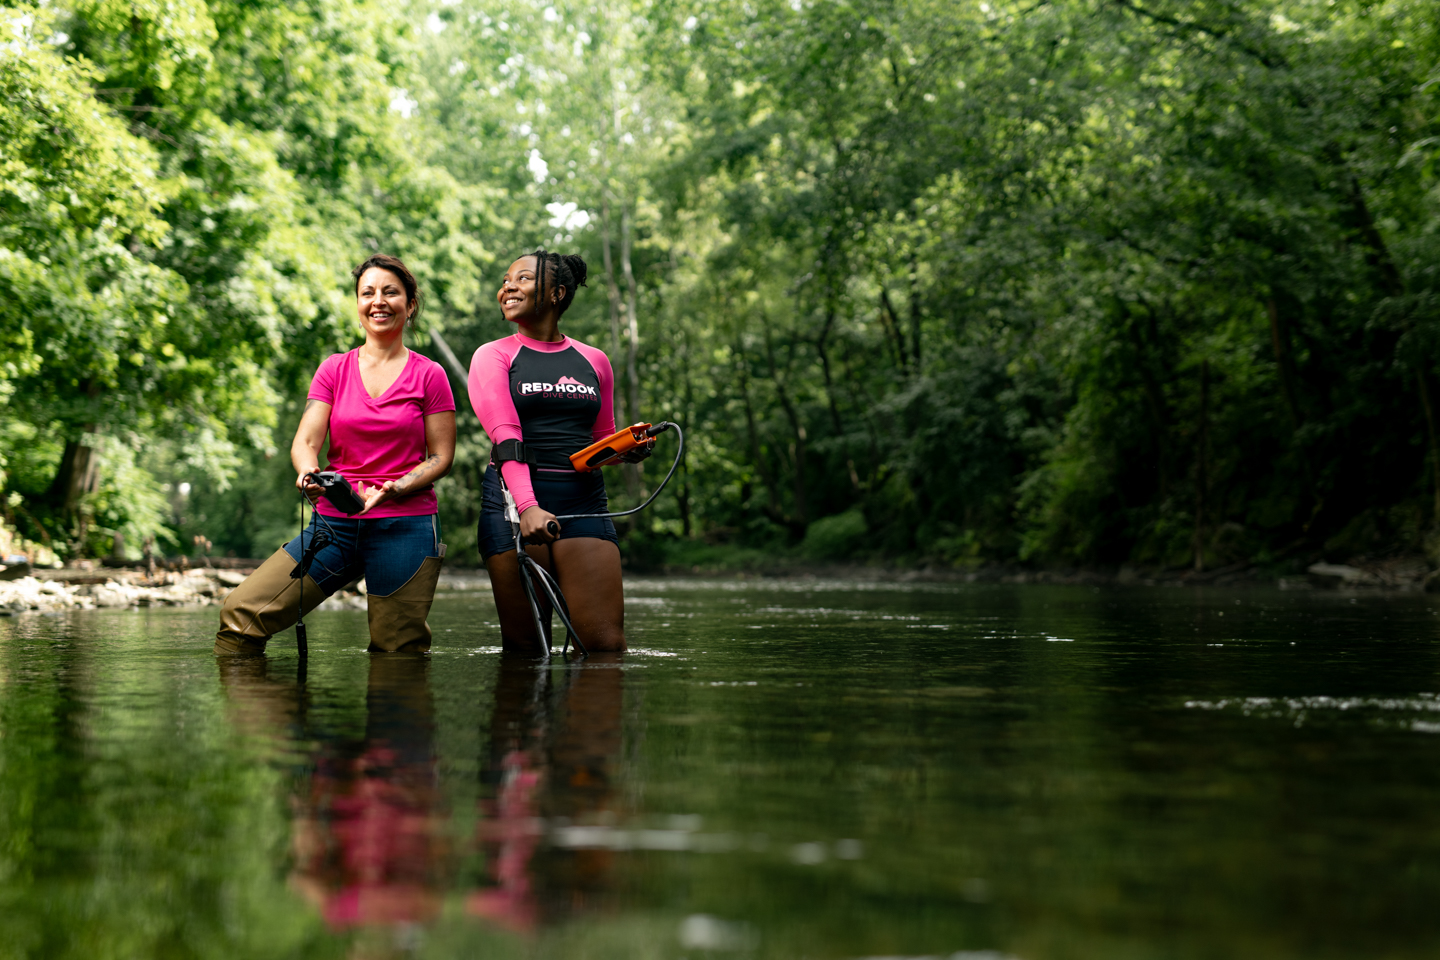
point(564, 380)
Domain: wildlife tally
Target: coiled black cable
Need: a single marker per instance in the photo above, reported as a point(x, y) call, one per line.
point(656, 430)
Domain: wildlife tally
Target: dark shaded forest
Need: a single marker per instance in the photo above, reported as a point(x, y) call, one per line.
point(1081, 283)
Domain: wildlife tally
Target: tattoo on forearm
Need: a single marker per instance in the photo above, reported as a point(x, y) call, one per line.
point(426, 464)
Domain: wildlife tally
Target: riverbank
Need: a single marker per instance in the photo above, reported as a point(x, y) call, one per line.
point(1382, 565)
point(80, 589)
point(1405, 574)
point(88, 588)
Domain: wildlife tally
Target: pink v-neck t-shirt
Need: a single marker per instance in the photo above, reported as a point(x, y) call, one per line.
point(374, 439)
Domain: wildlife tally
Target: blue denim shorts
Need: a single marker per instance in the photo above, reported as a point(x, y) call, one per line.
point(386, 551)
point(559, 493)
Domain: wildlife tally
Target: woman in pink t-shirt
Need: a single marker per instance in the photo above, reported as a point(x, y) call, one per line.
point(390, 417)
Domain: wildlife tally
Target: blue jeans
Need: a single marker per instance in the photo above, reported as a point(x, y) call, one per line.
point(385, 551)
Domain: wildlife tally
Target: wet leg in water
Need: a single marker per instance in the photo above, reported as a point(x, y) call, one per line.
point(588, 570)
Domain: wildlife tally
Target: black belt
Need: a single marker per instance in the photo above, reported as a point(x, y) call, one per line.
point(536, 457)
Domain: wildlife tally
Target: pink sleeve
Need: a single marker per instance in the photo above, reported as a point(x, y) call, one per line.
point(605, 419)
point(438, 395)
point(489, 387)
point(322, 385)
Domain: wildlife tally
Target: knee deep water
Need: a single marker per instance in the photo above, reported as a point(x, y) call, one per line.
point(786, 769)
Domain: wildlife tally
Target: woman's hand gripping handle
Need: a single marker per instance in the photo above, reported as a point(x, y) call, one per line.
point(538, 525)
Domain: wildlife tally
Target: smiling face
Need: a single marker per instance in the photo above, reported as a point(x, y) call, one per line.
point(518, 288)
point(382, 303)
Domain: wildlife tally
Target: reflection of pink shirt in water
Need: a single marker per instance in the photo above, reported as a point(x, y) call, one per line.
point(374, 439)
point(387, 837)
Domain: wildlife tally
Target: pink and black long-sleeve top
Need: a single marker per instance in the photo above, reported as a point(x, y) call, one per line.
point(555, 397)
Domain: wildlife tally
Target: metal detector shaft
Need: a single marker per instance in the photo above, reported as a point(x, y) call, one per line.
point(319, 540)
point(531, 574)
point(558, 604)
point(526, 577)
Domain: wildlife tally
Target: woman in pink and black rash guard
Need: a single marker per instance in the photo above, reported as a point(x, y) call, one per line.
point(389, 416)
point(543, 396)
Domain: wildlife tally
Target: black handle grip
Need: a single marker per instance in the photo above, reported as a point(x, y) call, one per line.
point(553, 528)
point(318, 541)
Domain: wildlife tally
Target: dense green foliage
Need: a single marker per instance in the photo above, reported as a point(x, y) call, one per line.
point(182, 181)
point(1077, 282)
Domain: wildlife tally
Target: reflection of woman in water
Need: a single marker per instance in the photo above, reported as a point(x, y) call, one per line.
point(367, 841)
point(551, 758)
point(369, 844)
point(369, 838)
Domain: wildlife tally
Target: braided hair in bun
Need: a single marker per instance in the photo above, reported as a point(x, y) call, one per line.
point(562, 270)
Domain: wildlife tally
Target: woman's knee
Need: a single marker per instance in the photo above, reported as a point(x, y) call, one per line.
point(267, 602)
point(398, 619)
point(609, 639)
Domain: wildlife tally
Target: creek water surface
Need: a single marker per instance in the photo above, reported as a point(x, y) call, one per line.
point(788, 769)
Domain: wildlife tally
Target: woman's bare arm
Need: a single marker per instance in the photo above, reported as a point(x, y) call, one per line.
point(309, 438)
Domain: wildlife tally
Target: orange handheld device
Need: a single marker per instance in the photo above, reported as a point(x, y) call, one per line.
point(602, 453)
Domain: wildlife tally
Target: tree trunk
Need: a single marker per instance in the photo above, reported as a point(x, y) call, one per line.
point(1201, 474)
point(915, 312)
point(801, 485)
point(448, 358)
point(632, 347)
point(1390, 279)
point(689, 408)
point(1154, 394)
point(684, 497)
point(76, 477)
point(452, 363)
point(820, 348)
point(893, 336)
point(1429, 409)
point(1280, 342)
point(756, 457)
point(634, 472)
point(612, 289)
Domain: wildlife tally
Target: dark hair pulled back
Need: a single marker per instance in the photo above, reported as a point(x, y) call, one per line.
point(396, 266)
point(566, 270)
